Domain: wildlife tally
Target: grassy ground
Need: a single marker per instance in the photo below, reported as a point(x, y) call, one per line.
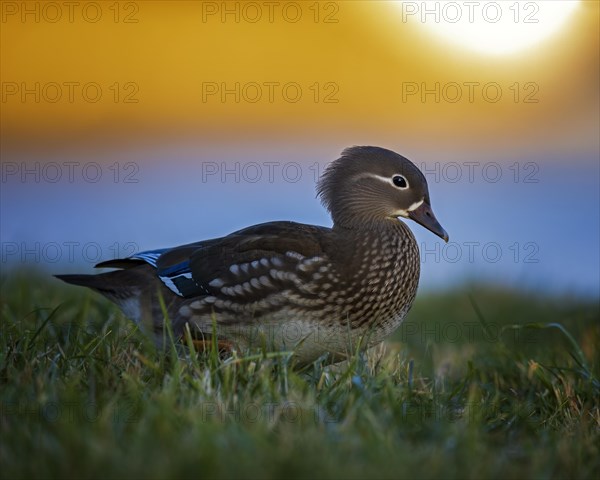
point(478, 383)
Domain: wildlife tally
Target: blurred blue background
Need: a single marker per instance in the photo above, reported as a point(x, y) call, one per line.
point(117, 134)
point(519, 221)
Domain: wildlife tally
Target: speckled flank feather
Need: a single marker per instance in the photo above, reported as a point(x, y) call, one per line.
point(312, 289)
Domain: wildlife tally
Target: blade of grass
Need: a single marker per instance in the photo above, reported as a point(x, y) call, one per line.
point(41, 327)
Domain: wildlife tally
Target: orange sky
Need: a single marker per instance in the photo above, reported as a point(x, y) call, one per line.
point(175, 60)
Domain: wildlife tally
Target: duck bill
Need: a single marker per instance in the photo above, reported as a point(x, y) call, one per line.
point(424, 216)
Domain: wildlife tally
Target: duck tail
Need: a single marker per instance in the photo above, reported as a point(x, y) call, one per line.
point(130, 289)
point(90, 281)
point(118, 284)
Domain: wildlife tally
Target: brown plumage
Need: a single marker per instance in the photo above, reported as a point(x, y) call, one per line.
point(310, 289)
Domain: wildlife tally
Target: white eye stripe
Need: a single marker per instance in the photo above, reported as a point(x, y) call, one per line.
point(389, 180)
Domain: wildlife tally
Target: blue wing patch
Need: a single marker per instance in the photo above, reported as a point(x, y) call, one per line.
point(178, 278)
point(150, 256)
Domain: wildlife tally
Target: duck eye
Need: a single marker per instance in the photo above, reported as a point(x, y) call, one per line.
point(400, 181)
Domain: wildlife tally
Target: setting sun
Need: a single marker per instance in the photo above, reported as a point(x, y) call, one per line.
point(497, 28)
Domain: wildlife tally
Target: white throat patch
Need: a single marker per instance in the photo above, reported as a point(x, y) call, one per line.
point(404, 213)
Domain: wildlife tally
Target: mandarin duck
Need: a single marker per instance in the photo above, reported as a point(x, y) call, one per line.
point(312, 290)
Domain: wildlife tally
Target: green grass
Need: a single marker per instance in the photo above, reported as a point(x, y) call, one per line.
point(477, 383)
